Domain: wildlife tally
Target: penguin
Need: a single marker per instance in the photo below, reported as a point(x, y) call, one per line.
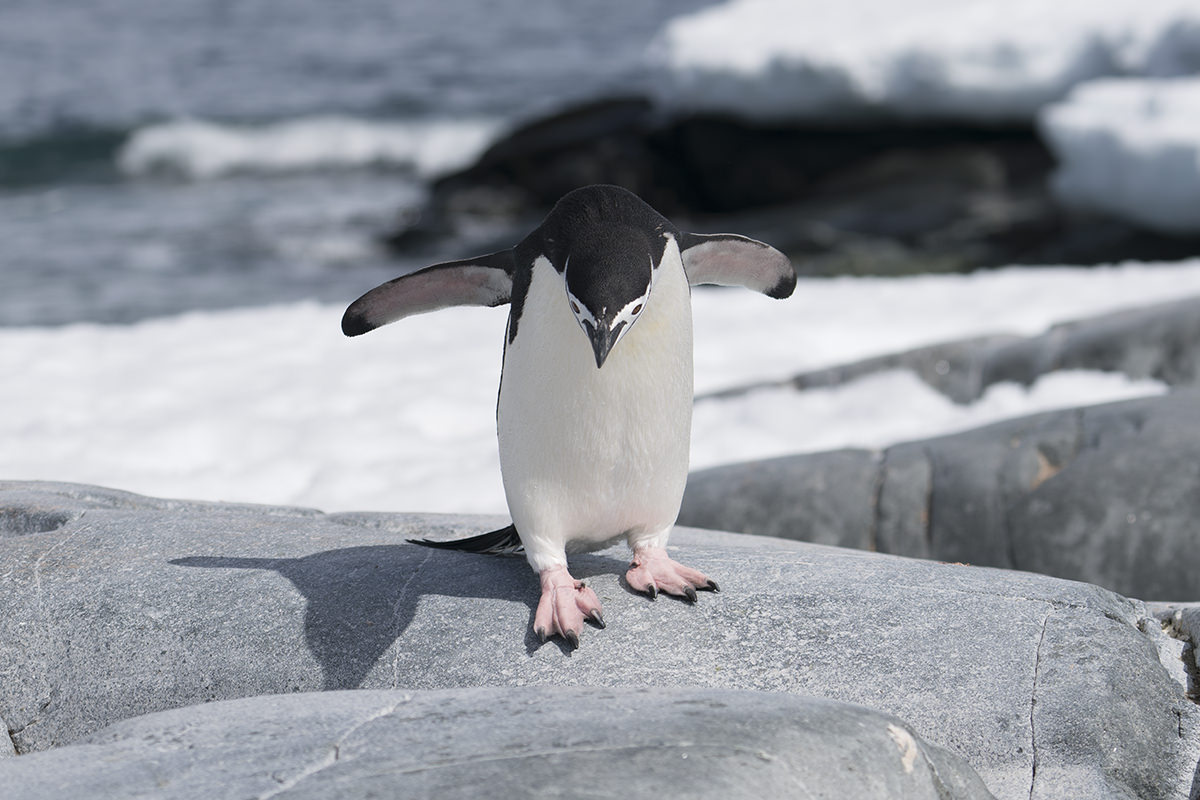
point(593, 417)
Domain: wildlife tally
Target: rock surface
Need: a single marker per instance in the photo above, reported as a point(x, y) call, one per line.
point(1107, 494)
point(511, 742)
point(119, 605)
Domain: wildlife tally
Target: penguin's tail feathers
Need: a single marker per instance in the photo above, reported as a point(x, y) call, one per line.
point(503, 542)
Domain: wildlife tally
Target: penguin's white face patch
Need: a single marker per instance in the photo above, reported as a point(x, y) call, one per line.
point(622, 321)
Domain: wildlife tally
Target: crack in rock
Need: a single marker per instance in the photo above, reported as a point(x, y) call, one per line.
point(1037, 662)
point(335, 751)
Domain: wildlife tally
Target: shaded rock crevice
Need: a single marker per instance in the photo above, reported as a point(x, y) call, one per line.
point(1033, 745)
point(32, 520)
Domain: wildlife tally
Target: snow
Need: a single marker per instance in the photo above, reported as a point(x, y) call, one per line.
point(274, 405)
point(196, 149)
point(965, 59)
point(1131, 148)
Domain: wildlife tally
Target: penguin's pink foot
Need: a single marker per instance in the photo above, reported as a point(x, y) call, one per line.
point(565, 603)
point(653, 571)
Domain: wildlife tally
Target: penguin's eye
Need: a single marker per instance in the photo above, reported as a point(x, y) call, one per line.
point(574, 307)
point(637, 309)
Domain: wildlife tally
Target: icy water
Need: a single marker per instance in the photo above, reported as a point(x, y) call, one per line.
point(160, 157)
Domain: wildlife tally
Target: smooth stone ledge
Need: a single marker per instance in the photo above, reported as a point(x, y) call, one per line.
point(1105, 494)
point(511, 742)
point(1047, 688)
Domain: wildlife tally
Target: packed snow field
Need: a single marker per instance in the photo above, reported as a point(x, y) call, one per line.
point(274, 405)
point(1131, 148)
point(967, 59)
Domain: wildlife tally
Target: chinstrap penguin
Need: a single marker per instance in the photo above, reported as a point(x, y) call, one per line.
point(595, 404)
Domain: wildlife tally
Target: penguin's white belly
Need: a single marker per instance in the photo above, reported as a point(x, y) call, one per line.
point(591, 454)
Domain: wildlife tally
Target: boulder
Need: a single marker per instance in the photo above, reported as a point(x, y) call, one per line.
point(118, 606)
point(1106, 494)
point(503, 742)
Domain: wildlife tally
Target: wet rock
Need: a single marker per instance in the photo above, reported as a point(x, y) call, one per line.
point(509, 742)
point(1106, 494)
point(1046, 688)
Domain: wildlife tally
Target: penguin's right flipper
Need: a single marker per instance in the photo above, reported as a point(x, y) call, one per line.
point(503, 542)
point(482, 281)
point(728, 259)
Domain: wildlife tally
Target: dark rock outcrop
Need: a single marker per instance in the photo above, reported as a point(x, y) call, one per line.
point(873, 196)
point(1046, 688)
point(1107, 494)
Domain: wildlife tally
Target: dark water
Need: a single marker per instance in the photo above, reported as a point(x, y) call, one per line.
point(82, 239)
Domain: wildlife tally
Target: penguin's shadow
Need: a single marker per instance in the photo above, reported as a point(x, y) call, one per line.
point(362, 599)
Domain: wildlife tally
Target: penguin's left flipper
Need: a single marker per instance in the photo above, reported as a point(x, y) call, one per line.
point(731, 260)
point(653, 571)
point(482, 281)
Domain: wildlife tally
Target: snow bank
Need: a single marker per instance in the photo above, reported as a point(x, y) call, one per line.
point(275, 406)
point(201, 149)
point(1131, 148)
point(972, 59)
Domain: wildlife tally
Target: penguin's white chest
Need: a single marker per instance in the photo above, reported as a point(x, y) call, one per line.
point(589, 454)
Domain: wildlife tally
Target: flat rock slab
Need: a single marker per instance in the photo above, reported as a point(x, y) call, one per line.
point(117, 606)
point(510, 742)
point(1108, 494)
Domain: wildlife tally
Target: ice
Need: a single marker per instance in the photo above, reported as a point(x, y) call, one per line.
point(274, 405)
point(965, 59)
point(1130, 147)
point(196, 148)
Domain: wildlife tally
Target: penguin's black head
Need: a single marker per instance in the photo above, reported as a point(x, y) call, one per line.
point(608, 243)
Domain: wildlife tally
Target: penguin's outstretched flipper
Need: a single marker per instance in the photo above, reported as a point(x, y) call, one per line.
point(502, 542)
point(731, 260)
point(482, 281)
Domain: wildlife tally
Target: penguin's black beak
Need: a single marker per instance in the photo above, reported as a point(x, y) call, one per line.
point(603, 338)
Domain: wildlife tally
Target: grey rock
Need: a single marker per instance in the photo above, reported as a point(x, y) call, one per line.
point(1106, 494)
point(510, 742)
point(832, 505)
point(1160, 341)
point(1047, 688)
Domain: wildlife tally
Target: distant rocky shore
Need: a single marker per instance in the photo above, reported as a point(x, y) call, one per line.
point(873, 195)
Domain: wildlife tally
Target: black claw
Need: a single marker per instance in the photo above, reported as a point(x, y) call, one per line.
point(690, 593)
point(596, 619)
point(572, 637)
point(541, 634)
point(652, 590)
point(712, 586)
